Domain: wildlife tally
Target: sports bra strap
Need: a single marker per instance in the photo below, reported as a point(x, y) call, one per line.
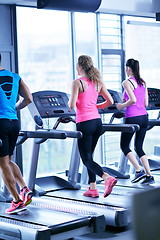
point(131, 83)
point(81, 85)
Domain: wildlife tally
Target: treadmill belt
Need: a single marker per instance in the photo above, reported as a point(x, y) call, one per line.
point(40, 216)
point(77, 195)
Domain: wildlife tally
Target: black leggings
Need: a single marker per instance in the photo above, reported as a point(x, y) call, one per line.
point(142, 121)
point(91, 130)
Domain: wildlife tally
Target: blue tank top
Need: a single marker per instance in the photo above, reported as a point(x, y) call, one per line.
point(9, 87)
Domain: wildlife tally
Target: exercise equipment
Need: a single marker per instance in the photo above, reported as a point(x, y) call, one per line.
point(145, 210)
point(154, 104)
point(49, 104)
point(23, 136)
point(45, 219)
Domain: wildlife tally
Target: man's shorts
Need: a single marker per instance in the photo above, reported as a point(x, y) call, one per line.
point(9, 131)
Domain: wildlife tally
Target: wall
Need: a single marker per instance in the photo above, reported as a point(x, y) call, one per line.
point(7, 40)
point(130, 7)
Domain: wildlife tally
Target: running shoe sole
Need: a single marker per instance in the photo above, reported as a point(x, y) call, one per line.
point(17, 211)
point(94, 196)
point(151, 182)
point(138, 179)
point(109, 189)
point(29, 198)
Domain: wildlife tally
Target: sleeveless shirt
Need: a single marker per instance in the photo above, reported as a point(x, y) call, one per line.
point(9, 87)
point(86, 104)
point(138, 108)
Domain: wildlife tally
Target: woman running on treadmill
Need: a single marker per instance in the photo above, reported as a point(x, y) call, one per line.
point(84, 94)
point(10, 86)
point(135, 101)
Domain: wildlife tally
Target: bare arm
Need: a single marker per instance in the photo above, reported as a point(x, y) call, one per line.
point(74, 94)
point(109, 100)
point(25, 94)
point(132, 99)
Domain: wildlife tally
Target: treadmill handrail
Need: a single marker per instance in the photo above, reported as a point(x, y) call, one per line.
point(73, 134)
point(120, 128)
point(44, 134)
point(153, 123)
point(68, 134)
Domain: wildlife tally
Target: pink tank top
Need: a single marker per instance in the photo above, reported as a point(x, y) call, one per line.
point(87, 103)
point(138, 108)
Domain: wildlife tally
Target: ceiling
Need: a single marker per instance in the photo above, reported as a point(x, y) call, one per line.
point(20, 2)
point(134, 7)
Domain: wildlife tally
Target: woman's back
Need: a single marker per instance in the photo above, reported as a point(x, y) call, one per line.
point(87, 102)
point(138, 108)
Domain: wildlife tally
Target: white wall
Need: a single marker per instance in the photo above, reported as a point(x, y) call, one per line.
point(131, 7)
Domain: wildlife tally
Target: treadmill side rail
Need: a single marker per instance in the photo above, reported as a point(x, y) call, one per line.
point(10, 230)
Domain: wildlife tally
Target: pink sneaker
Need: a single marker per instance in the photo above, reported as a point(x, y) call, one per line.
point(91, 193)
point(15, 208)
point(26, 196)
point(108, 185)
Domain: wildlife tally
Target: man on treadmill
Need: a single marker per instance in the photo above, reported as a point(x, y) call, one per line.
point(11, 85)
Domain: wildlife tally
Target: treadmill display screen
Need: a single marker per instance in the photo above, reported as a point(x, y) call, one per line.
point(117, 97)
point(52, 101)
point(52, 104)
point(154, 99)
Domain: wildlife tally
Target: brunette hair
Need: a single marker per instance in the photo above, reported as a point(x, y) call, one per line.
point(134, 65)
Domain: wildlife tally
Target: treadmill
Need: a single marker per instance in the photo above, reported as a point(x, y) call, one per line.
point(122, 194)
point(117, 204)
point(154, 104)
point(44, 219)
point(55, 104)
point(124, 186)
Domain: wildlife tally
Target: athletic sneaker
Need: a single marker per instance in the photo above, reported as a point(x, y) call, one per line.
point(16, 207)
point(26, 195)
point(148, 180)
point(91, 193)
point(138, 176)
point(108, 185)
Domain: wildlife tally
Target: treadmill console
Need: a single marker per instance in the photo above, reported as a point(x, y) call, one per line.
point(49, 104)
point(153, 98)
point(117, 97)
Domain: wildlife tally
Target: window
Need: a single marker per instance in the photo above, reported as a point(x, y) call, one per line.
point(45, 44)
point(110, 31)
point(111, 63)
point(85, 35)
point(142, 43)
point(44, 64)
